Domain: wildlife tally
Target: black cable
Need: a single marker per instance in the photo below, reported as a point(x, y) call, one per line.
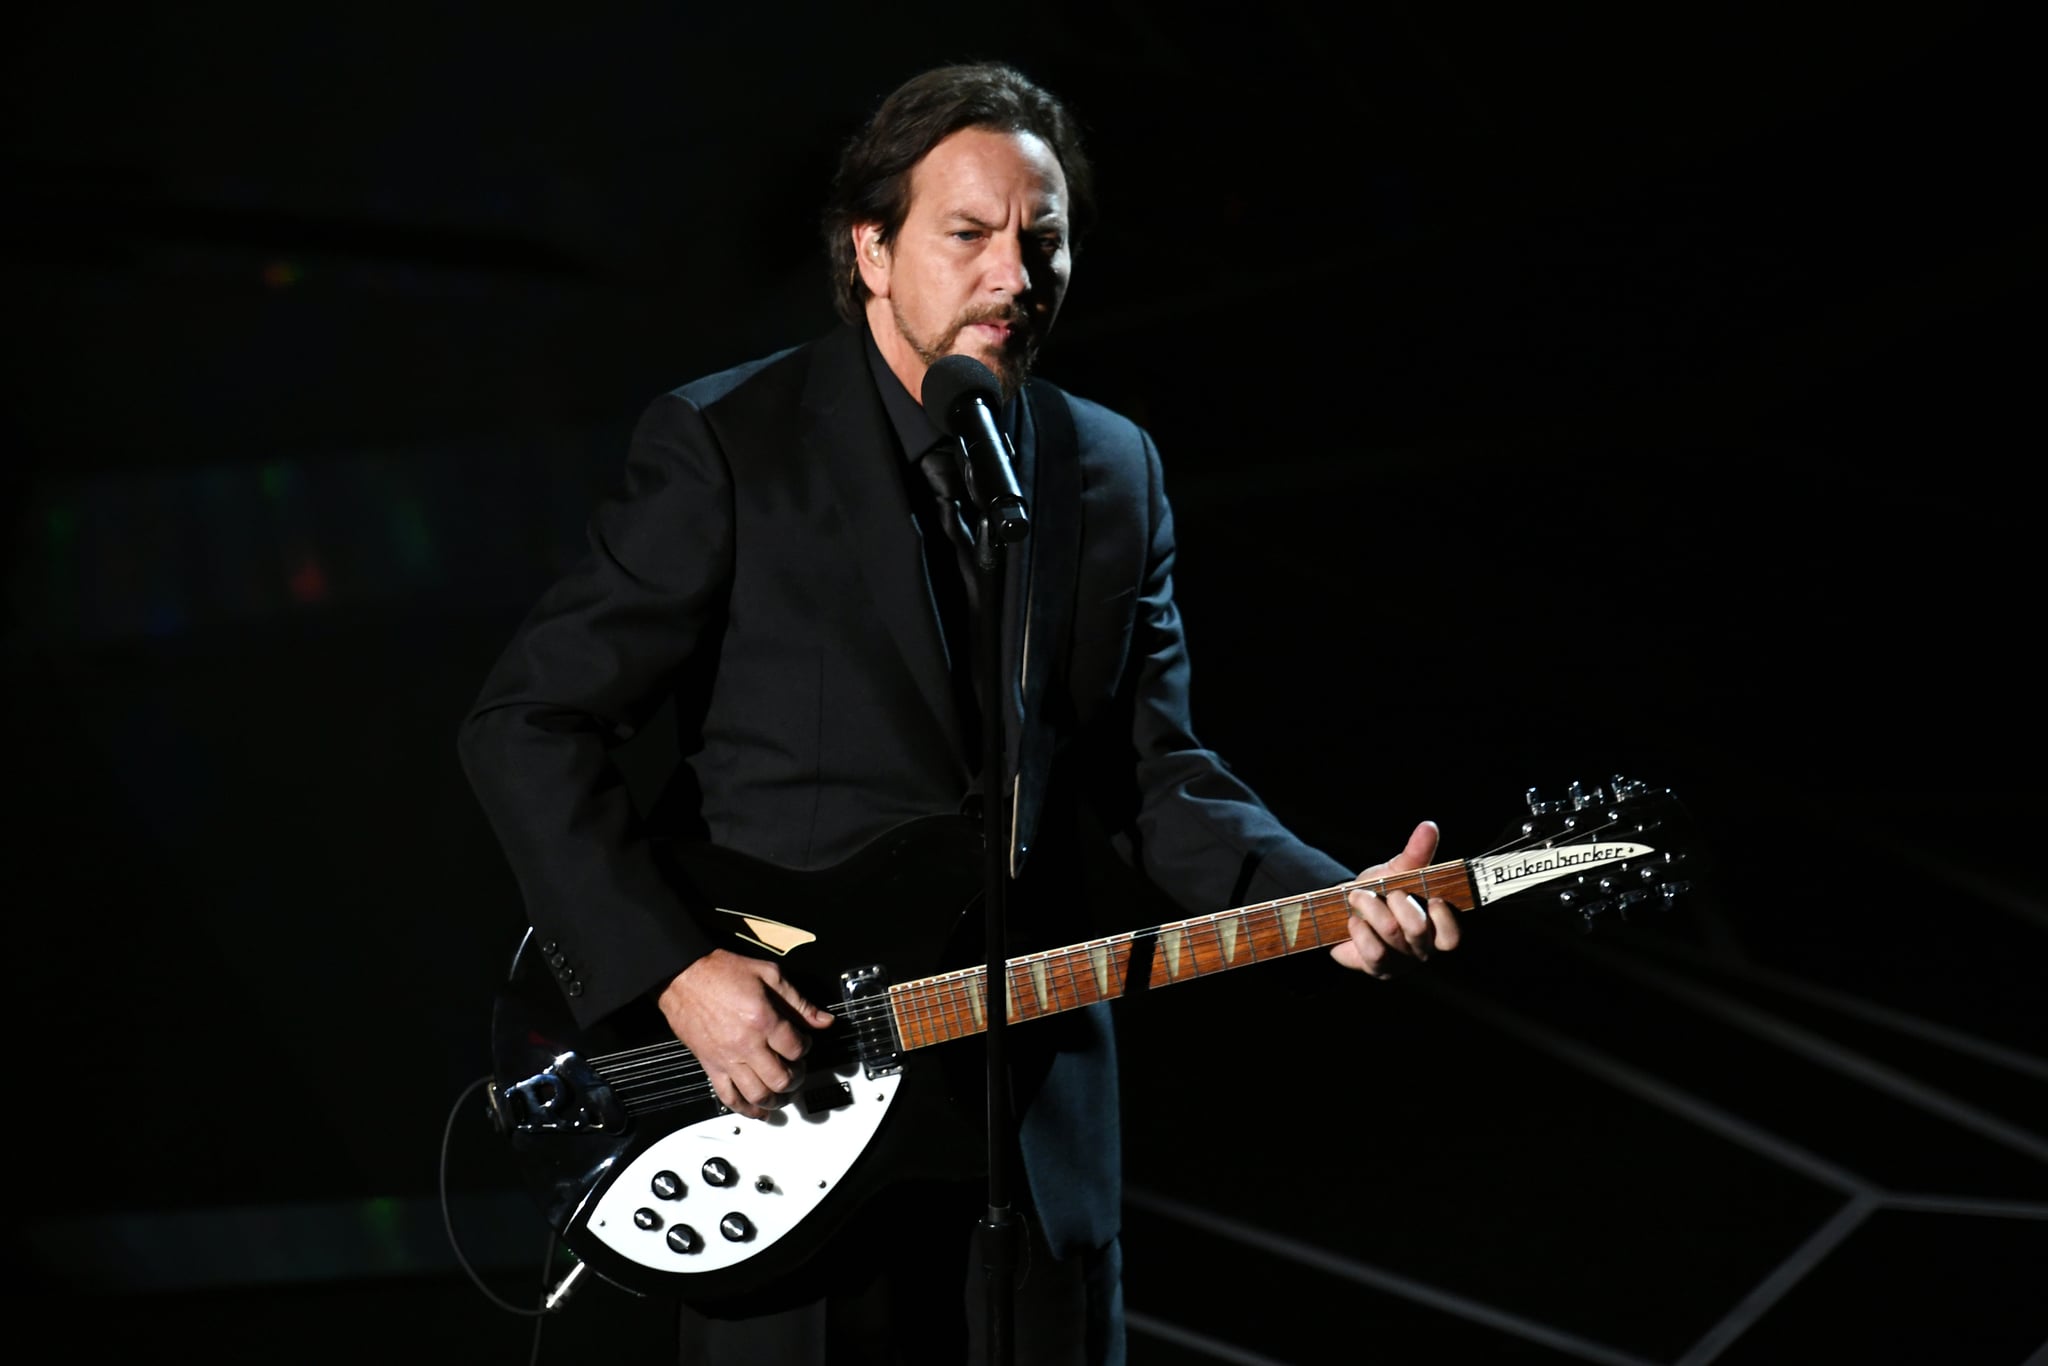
point(547, 1271)
point(448, 1223)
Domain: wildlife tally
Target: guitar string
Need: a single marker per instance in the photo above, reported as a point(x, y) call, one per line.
point(1321, 899)
point(938, 1000)
point(933, 1005)
point(924, 1000)
point(1420, 876)
point(652, 1063)
point(868, 1008)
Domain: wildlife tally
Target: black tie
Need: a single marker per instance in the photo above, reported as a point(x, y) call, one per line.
point(956, 591)
point(942, 470)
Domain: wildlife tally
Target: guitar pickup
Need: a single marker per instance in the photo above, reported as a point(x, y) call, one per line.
point(864, 1000)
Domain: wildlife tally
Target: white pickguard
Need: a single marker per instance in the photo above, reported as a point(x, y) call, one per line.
point(802, 1154)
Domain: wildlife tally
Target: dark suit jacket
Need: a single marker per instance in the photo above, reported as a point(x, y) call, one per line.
point(760, 570)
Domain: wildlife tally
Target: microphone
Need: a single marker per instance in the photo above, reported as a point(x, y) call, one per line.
point(960, 393)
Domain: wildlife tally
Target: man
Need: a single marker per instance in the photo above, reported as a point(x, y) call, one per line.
point(776, 568)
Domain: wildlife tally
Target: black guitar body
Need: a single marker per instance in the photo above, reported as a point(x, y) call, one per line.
point(662, 1190)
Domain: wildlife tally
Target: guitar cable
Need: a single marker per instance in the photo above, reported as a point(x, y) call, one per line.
point(550, 1301)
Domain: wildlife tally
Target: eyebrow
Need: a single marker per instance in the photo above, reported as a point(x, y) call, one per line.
point(1041, 224)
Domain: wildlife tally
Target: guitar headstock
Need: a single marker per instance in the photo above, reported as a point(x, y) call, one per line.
point(1610, 847)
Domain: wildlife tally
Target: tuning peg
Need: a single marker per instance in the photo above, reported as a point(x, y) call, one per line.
point(1576, 794)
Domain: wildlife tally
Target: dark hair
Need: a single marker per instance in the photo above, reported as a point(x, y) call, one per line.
point(872, 184)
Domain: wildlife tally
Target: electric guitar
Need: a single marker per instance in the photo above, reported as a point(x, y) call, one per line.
point(661, 1189)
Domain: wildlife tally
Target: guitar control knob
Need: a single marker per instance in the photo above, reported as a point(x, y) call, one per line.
point(667, 1186)
point(736, 1227)
point(647, 1218)
point(719, 1172)
point(682, 1238)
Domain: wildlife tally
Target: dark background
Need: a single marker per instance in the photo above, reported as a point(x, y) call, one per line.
point(1545, 392)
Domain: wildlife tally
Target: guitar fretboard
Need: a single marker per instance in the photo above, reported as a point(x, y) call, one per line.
point(953, 1005)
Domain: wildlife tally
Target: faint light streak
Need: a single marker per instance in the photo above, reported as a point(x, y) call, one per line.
point(384, 1222)
point(409, 530)
point(282, 274)
point(309, 581)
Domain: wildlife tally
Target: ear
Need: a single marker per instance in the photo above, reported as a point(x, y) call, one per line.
point(872, 258)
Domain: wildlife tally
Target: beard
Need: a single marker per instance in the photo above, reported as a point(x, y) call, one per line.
point(1011, 363)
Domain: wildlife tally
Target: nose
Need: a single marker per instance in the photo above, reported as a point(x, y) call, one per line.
point(1006, 265)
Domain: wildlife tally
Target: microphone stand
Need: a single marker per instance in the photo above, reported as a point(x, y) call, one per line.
point(1000, 1227)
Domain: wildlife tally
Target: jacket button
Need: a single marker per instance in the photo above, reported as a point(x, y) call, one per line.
point(575, 988)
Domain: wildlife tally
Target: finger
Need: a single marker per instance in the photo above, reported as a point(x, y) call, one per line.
point(1372, 908)
point(789, 1042)
point(779, 1076)
point(1360, 953)
point(1417, 853)
point(730, 1096)
point(1374, 956)
point(815, 1016)
point(1419, 850)
point(1416, 926)
point(1443, 918)
point(756, 1089)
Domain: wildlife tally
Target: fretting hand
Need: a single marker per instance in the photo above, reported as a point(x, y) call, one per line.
point(1397, 924)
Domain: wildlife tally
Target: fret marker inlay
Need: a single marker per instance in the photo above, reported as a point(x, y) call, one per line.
point(1099, 956)
point(1171, 939)
point(1038, 982)
point(1226, 931)
point(1290, 921)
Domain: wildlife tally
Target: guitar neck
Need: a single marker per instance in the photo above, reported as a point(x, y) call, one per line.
point(954, 1005)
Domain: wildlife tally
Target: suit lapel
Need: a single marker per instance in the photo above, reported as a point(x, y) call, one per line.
point(846, 432)
point(1017, 596)
point(1052, 460)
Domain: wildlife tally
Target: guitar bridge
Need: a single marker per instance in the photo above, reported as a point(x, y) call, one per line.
point(863, 999)
point(568, 1096)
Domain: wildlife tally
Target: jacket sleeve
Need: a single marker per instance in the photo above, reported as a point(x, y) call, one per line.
point(604, 646)
point(1194, 829)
